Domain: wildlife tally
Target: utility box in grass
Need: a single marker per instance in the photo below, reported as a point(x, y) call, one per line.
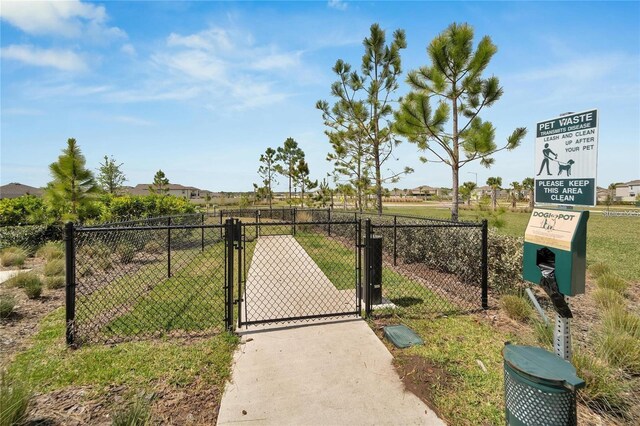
point(557, 239)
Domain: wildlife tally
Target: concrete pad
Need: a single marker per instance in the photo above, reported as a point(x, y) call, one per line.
point(283, 281)
point(5, 275)
point(331, 373)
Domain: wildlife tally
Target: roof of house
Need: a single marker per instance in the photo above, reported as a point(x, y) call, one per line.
point(177, 186)
point(15, 190)
point(630, 183)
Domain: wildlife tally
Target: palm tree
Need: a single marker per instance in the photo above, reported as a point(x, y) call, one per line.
point(527, 185)
point(516, 187)
point(466, 190)
point(495, 183)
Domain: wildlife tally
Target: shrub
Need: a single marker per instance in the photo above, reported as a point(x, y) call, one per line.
point(55, 282)
point(516, 307)
point(84, 270)
point(126, 252)
point(54, 267)
point(33, 289)
point(605, 390)
point(612, 282)
point(136, 414)
point(598, 269)
point(22, 280)
point(7, 303)
point(543, 333)
point(13, 256)
point(30, 237)
point(51, 250)
point(607, 298)
point(154, 247)
point(14, 401)
point(618, 341)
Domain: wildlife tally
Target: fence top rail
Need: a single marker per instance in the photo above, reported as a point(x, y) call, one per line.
point(429, 225)
point(145, 228)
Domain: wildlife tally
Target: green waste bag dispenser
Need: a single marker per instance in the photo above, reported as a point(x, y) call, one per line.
point(555, 249)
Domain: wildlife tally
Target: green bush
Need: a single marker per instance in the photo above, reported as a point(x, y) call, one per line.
point(612, 282)
point(54, 267)
point(27, 209)
point(605, 390)
point(7, 303)
point(126, 252)
point(136, 414)
point(22, 280)
point(30, 237)
point(13, 256)
point(51, 250)
point(598, 269)
point(606, 298)
point(55, 282)
point(516, 307)
point(33, 289)
point(14, 401)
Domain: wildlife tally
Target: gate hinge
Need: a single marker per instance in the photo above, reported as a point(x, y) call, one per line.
point(235, 302)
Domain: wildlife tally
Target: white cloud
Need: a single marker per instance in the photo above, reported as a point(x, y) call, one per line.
point(22, 111)
point(64, 60)
point(213, 39)
point(64, 18)
point(131, 120)
point(337, 4)
point(128, 49)
point(278, 61)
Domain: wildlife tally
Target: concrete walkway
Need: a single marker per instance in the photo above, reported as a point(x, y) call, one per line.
point(284, 281)
point(331, 372)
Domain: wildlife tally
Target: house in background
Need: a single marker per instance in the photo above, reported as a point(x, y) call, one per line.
point(177, 190)
point(628, 191)
point(15, 190)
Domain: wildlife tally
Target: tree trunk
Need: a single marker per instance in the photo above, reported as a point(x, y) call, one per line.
point(531, 198)
point(494, 198)
point(454, 202)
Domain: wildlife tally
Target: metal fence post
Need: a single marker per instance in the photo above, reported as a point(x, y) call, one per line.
point(220, 223)
point(358, 242)
point(202, 231)
point(367, 267)
point(257, 222)
point(329, 226)
point(395, 240)
point(229, 237)
point(485, 265)
point(169, 248)
point(70, 287)
point(294, 221)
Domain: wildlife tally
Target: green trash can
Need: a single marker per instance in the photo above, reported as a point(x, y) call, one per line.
point(539, 387)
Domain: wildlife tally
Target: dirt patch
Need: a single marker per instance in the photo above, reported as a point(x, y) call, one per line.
point(23, 323)
point(421, 377)
point(194, 404)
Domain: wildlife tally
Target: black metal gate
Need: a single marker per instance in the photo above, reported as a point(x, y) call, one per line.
point(291, 271)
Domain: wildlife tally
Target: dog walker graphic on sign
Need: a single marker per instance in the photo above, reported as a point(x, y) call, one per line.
point(566, 159)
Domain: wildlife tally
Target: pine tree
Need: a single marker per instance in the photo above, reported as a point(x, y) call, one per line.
point(454, 80)
point(288, 157)
point(267, 172)
point(110, 176)
point(160, 183)
point(73, 184)
point(364, 102)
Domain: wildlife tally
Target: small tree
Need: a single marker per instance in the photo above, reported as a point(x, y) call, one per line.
point(73, 185)
point(495, 183)
point(110, 176)
point(267, 172)
point(364, 101)
point(207, 201)
point(454, 78)
point(516, 188)
point(527, 185)
point(288, 157)
point(160, 184)
point(302, 180)
point(466, 190)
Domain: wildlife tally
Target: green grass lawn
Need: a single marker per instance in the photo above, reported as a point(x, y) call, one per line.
point(337, 261)
point(612, 240)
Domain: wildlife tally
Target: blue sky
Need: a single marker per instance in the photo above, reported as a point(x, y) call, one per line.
point(201, 89)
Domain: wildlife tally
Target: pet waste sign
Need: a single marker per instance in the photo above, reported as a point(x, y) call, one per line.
point(566, 159)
